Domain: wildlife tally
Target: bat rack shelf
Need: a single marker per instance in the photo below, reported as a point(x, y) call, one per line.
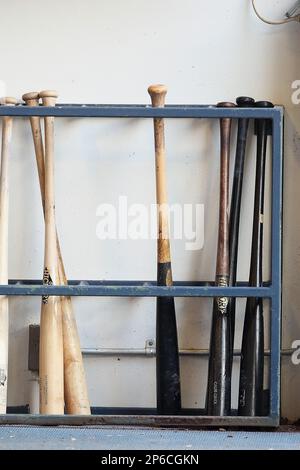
point(271, 290)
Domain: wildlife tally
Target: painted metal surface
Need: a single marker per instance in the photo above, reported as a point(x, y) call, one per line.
point(139, 111)
point(138, 420)
point(276, 264)
point(123, 290)
point(116, 288)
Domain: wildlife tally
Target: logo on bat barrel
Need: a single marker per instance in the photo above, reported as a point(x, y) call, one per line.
point(222, 301)
point(47, 281)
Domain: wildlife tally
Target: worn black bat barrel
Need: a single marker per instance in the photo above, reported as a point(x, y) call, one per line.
point(167, 357)
point(218, 395)
point(252, 356)
point(235, 207)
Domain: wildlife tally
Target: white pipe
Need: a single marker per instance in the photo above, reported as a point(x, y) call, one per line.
point(151, 352)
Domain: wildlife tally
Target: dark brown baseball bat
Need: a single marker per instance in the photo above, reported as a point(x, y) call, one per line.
point(218, 397)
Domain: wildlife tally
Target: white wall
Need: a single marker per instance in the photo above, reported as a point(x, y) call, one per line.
point(109, 52)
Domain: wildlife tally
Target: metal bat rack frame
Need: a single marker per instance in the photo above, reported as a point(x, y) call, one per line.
point(271, 290)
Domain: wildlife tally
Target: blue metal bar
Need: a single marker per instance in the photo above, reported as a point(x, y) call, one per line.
point(136, 291)
point(276, 262)
point(130, 283)
point(129, 111)
point(137, 420)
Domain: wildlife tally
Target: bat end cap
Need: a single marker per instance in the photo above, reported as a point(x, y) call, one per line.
point(157, 89)
point(8, 100)
point(48, 94)
point(264, 104)
point(32, 95)
point(226, 104)
point(245, 101)
point(157, 93)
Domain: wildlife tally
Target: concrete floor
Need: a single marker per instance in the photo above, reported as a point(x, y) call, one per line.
point(120, 438)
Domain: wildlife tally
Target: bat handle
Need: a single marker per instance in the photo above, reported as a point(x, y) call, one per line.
point(7, 121)
point(222, 270)
point(32, 99)
point(243, 124)
point(262, 131)
point(158, 94)
point(235, 209)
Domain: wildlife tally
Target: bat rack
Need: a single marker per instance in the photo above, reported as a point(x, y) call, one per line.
point(271, 290)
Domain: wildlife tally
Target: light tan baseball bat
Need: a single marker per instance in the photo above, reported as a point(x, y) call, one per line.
point(76, 393)
point(51, 368)
point(4, 196)
point(167, 359)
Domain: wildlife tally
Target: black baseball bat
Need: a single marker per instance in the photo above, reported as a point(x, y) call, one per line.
point(235, 207)
point(167, 358)
point(218, 397)
point(252, 355)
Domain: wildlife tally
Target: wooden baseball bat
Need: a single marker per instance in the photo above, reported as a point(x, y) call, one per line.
point(235, 207)
point(252, 355)
point(167, 359)
point(51, 368)
point(76, 393)
point(7, 123)
point(218, 397)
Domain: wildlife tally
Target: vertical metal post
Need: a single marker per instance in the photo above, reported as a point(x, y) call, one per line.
point(276, 261)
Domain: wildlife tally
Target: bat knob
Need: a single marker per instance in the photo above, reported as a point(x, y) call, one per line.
point(31, 98)
point(264, 104)
point(226, 104)
point(48, 97)
point(245, 102)
point(157, 94)
point(8, 100)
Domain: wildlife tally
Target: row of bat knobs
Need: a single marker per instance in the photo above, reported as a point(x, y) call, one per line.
point(62, 379)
